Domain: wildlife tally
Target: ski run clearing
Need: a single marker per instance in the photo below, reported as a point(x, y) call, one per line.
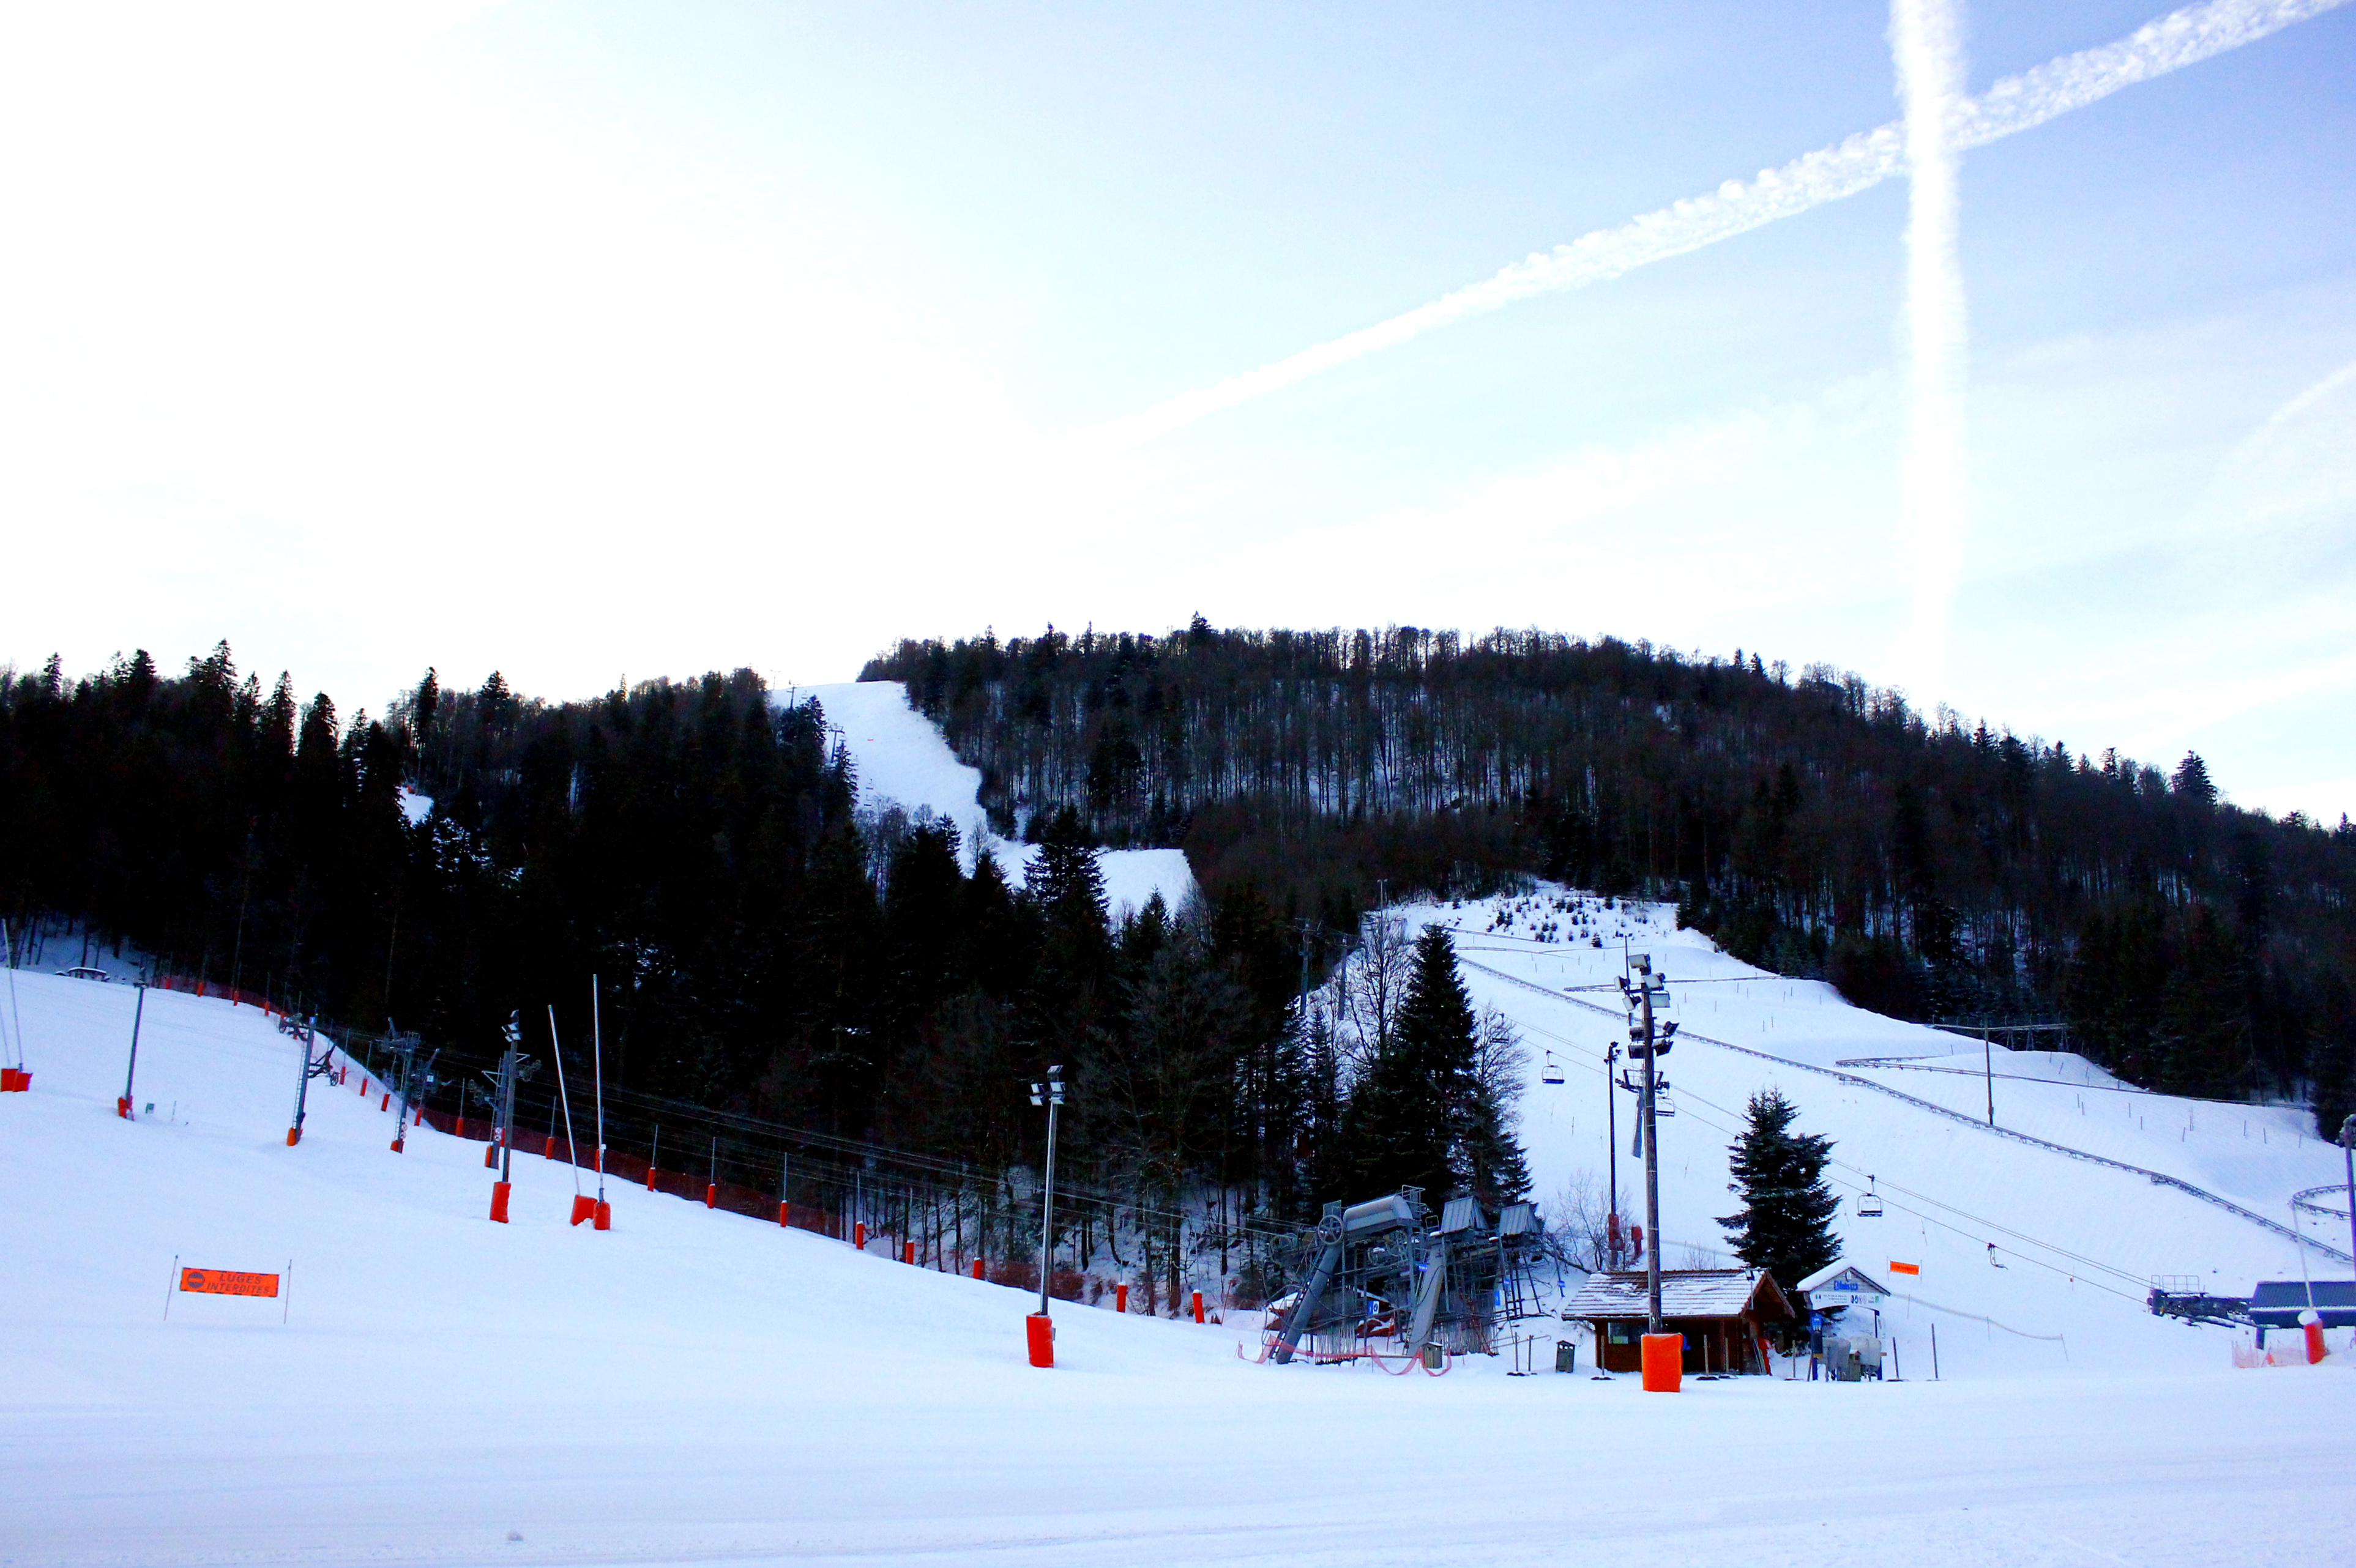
point(697, 1387)
point(899, 759)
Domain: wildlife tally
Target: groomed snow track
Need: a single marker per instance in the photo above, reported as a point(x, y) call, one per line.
point(2157, 1177)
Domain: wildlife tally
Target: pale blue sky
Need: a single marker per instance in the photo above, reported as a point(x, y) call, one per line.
point(590, 340)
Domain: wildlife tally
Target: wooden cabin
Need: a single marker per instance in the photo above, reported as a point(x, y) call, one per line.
point(1722, 1312)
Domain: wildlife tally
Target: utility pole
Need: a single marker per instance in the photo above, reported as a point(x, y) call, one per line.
point(1645, 1043)
point(1050, 1094)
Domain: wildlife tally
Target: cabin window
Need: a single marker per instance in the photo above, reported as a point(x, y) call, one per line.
point(1621, 1333)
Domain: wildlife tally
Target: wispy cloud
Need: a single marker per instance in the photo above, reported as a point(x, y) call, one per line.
point(2016, 104)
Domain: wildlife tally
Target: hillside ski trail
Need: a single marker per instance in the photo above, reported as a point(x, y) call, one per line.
point(2157, 1177)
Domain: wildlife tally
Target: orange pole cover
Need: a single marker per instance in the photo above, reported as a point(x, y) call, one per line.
point(1664, 1362)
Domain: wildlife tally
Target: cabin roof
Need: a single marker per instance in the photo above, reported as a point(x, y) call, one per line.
point(1684, 1293)
point(1832, 1274)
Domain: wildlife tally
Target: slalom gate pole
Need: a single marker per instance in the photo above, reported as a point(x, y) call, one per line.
point(584, 1207)
point(712, 1180)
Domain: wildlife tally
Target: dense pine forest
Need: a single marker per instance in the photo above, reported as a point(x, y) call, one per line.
point(1931, 868)
point(763, 947)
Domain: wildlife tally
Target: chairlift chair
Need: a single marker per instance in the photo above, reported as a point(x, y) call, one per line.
point(1869, 1206)
point(1552, 1072)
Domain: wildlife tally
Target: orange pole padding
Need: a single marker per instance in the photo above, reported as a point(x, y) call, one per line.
point(123, 1106)
point(387, 1104)
point(458, 1126)
point(1120, 1297)
point(785, 1214)
point(1664, 1362)
point(977, 1268)
point(907, 1252)
point(584, 1206)
point(2316, 1350)
point(499, 1200)
point(1198, 1306)
point(1039, 1330)
point(15, 1080)
point(397, 1141)
point(650, 1178)
point(711, 1195)
point(858, 1230)
point(605, 1220)
point(490, 1156)
point(293, 1136)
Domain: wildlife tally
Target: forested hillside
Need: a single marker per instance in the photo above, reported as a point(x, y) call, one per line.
point(762, 946)
point(1931, 868)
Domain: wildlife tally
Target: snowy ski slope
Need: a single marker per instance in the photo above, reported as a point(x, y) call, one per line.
point(901, 758)
point(2075, 1242)
point(697, 1387)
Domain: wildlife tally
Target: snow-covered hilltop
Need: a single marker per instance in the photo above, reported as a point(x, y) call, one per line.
point(900, 760)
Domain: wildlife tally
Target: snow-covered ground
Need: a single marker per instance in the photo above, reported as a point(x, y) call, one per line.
point(696, 1387)
point(901, 758)
point(2075, 1242)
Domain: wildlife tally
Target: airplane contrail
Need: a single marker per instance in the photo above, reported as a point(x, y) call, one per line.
point(1935, 514)
point(2016, 104)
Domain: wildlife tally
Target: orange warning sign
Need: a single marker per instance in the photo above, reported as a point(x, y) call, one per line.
point(1897, 1267)
point(228, 1282)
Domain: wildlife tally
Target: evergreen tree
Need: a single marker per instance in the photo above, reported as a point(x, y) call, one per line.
point(1405, 1115)
point(1489, 1162)
point(1785, 1225)
point(2192, 781)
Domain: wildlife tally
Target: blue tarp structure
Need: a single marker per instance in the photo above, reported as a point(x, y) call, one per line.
point(2277, 1303)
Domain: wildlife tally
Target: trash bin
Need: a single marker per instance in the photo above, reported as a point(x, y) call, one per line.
point(1435, 1358)
point(1566, 1356)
